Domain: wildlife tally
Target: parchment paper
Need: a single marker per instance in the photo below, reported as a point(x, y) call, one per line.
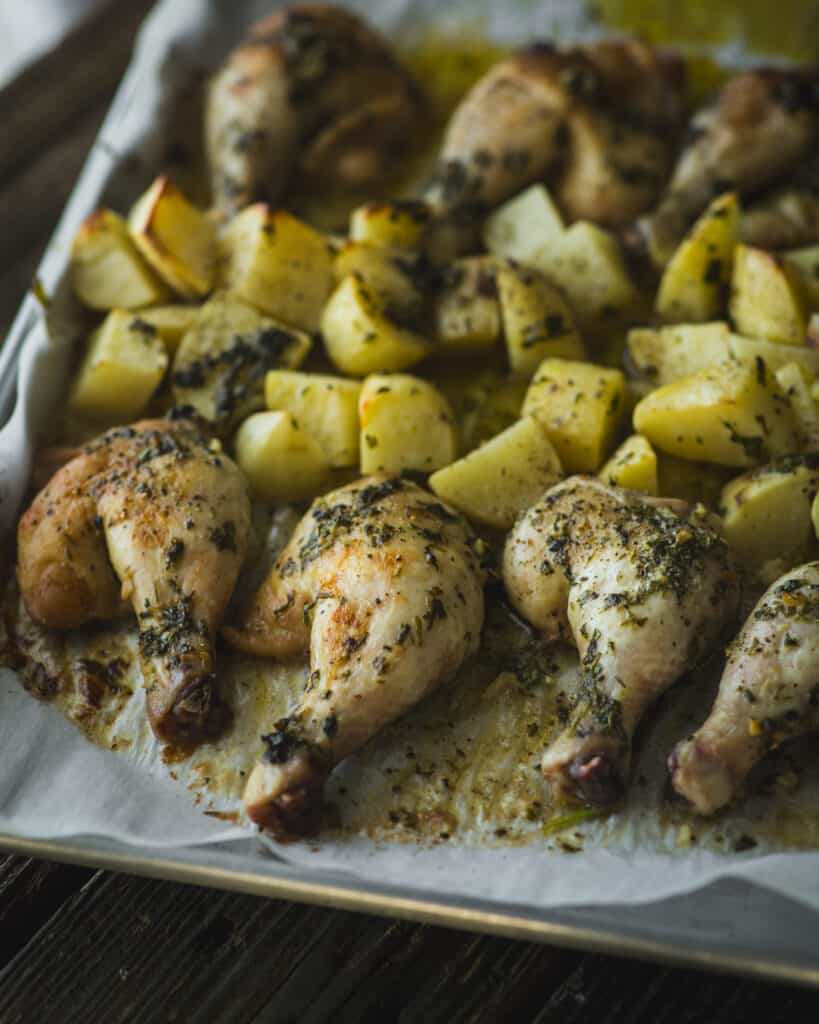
point(55, 783)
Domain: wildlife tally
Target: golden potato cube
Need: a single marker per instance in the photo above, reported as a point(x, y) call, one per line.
point(485, 401)
point(221, 362)
point(123, 366)
point(765, 298)
point(766, 515)
point(282, 462)
point(691, 481)
point(277, 263)
point(398, 224)
point(170, 322)
point(360, 336)
point(537, 321)
point(176, 239)
point(323, 405)
point(466, 312)
point(735, 414)
point(797, 382)
point(586, 263)
point(389, 275)
point(804, 264)
point(633, 466)
point(107, 271)
point(406, 423)
point(694, 284)
point(496, 482)
point(581, 406)
point(523, 225)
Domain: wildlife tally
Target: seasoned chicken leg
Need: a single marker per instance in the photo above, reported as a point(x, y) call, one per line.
point(642, 588)
point(762, 124)
point(312, 87)
point(598, 121)
point(382, 582)
point(150, 515)
point(769, 691)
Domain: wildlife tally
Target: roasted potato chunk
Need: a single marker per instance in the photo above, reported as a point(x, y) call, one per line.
point(466, 311)
point(803, 264)
point(766, 515)
point(523, 225)
point(633, 466)
point(537, 321)
point(398, 224)
point(581, 406)
point(766, 301)
point(360, 335)
point(107, 270)
point(282, 462)
point(176, 239)
point(325, 406)
point(122, 367)
point(797, 382)
point(484, 401)
point(277, 263)
point(171, 322)
point(734, 414)
point(694, 285)
point(390, 275)
point(406, 424)
point(221, 362)
point(496, 482)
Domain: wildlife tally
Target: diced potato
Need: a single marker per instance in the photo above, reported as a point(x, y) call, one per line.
point(633, 466)
point(814, 515)
point(325, 406)
point(692, 481)
point(694, 284)
point(171, 323)
point(581, 406)
point(767, 515)
point(496, 482)
point(106, 268)
point(537, 321)
point(175, 238)
point(282, 462)
point(388, 274)
point(766, 301)
point(278, 263)
point(804, 264)
point(122, 368)
point(406, 423)
point(733, 415)
point(670, 353)
point(797, 382)
point(484, 401)
point(398, 224)
point(222, 360)
point(466, 312)
point(523, 225)
point(361, 338)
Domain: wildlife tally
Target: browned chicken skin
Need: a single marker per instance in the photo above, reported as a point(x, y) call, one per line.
point(769, 692)
point(599, 122)
point(642, 587)
point(147, 515)
point(312, 87)
point(381, 582)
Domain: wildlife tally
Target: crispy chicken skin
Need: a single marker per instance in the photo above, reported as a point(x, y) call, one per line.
point(762, 124)
point(381, 582)
point(314, 88)
point(598, 121)
point(769, 691)
point(642, 588)
point(147, 515)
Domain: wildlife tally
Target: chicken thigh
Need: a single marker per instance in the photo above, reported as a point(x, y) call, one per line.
point(383, 584)
point(598, 121)
point(769, 691)
point(151, 516)
point(311, 87)
point(641, 587)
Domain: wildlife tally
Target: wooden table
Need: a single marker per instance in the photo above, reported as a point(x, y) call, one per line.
point(84, 945)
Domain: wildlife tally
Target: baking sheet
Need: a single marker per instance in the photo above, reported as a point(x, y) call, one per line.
point(55, 784)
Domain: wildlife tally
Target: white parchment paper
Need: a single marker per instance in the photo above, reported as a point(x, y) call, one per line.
point(55, 783)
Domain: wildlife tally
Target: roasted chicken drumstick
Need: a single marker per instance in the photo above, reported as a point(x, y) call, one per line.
point(641, 587)
point(381, 582)
point(151, 516)
point(769, 691)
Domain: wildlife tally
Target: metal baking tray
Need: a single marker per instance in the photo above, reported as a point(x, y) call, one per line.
point(730, 925)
